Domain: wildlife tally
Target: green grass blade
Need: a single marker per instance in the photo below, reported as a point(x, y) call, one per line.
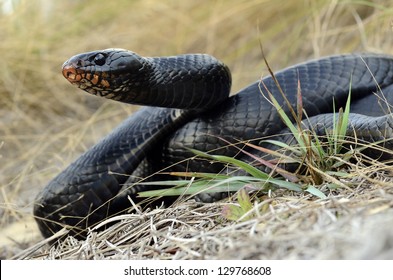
point(245, 166)
point(314, 191)
point(230, 184)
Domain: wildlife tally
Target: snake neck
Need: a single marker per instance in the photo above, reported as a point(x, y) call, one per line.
point(192, 81)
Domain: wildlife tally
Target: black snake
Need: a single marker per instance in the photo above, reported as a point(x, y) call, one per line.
point(198, 114)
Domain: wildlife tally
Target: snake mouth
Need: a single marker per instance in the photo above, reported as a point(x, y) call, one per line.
point(71, 74)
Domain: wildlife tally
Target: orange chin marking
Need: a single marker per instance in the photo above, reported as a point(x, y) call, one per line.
point(105, 83)
point(88, 76)
point(95, 79)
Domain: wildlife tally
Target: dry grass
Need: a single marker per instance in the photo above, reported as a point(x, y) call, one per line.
point(45, 123)
point(349, 224)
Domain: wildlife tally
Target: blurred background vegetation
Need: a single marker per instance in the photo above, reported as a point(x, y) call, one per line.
point(45, 122)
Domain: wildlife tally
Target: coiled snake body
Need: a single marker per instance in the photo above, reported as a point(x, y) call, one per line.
point(198, 115)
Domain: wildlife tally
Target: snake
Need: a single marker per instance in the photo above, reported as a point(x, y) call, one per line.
point(186, 103)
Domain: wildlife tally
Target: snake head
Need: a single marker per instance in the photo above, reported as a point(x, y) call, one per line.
point(189, 81)
point(103, 72)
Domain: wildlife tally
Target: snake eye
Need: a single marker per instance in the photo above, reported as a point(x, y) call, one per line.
point(100, 59)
